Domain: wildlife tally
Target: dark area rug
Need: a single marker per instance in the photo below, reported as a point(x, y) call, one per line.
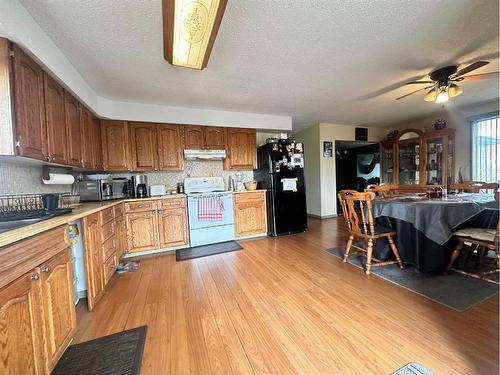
point(413, 369)
point(117, 354)
point(203, 251)
point(456, 291)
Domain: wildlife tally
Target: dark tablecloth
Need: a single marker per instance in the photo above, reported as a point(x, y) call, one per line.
point(426, 241)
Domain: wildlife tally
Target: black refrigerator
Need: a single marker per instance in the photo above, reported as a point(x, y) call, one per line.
point(281, 172)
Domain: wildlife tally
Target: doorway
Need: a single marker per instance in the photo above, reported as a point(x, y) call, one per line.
point(357, 165)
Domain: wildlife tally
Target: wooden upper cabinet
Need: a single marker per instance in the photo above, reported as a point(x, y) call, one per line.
point(29, 104)
point(194, 137)
point(73, 130)
point(170, 147)
point(215, 138)
point(143, 150)
point(22, 350)
point(97, 150)
point(87, 129)
point(54, 117)
point(241, 149)
point(59, 315)
point(204, 137)
point(115, 145)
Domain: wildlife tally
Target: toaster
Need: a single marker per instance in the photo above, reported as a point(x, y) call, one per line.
point(157, 190)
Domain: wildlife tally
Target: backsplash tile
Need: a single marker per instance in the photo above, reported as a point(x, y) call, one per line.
point(19, 178)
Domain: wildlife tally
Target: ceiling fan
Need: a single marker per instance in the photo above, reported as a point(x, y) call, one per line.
point(443, 81)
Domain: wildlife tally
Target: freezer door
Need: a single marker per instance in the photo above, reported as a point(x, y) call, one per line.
point(288, 202)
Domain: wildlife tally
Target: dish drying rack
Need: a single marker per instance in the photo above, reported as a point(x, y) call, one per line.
point(11, 204)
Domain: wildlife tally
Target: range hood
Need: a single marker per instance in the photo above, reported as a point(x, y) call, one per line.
point(204, 154)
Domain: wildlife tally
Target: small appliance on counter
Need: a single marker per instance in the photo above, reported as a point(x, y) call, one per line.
point(101, 190)
point(157, 190)
point(140, 185)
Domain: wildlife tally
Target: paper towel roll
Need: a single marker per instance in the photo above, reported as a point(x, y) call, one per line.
point(59, 179)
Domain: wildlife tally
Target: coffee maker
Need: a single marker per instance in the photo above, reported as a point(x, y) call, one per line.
point(140, 185)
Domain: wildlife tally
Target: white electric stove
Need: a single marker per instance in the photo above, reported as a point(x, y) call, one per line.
point(210, 210)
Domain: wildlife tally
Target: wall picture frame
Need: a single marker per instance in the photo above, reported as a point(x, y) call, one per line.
point(327, 149)
point(361, 134)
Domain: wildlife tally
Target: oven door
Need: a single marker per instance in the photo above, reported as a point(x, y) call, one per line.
point(227, 212)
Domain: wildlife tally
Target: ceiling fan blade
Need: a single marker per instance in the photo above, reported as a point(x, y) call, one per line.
point(418, 82)
point(471, 67)
point(414, 92)
point(474, 77)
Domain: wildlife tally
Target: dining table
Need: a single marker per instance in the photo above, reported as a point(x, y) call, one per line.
point(424, 226)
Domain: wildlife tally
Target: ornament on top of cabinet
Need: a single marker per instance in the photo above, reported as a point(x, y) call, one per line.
point(440, 124)
point(392, 134)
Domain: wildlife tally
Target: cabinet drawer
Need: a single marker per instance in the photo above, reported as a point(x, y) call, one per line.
point(107, 215)
point(249, 197)
point(119, 210)
point(110, 267)
point(108, 248)
point(171, 203)
point(107, 231)
point(140, 206)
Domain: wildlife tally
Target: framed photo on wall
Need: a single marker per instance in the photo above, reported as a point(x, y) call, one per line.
point(327, 149)
point(361, 134)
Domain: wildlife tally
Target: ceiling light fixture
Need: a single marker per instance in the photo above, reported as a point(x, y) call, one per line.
point(189, 30)
point(454, 90)
point(431, 95)
point(442, 96)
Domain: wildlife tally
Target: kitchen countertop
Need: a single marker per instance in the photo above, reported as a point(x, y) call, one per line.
point(249, 191)
point(85, 209)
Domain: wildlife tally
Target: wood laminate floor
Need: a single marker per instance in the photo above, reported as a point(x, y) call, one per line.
point(284, 305)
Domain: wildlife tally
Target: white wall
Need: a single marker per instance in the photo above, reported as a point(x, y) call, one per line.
point(457, 118)
point(310, 138)
point(17, 25)
point(336, 132)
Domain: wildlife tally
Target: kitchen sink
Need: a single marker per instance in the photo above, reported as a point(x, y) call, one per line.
point(14, 220)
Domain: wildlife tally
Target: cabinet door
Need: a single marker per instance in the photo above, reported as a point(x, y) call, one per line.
point(73, 130)
point(143, 150)
point(29, 107)
point(241, 149)
point(250, 218)
point(115, 148)
point(54, 117)
point(97, 152)
point(93, 259)
point(22, 350)
point(142, 231)
point(172, 226)
point(215, 138)
point(59, 315)
point(170, 147)
point(194, 137)
point(87, 129)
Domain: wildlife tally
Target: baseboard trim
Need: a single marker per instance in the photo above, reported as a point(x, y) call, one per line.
point(251, 236)
point(321, 217)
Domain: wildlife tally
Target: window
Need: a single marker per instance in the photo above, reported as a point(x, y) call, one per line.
point(486, 148)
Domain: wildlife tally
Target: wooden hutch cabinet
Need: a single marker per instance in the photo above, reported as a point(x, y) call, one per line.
point(415, 158)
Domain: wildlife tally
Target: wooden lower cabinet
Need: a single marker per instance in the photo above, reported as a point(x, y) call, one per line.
point(21, 329)
point(93, 259)
point(37, 317)
point(142, 231)
point(250, 214)
point(172, 227)
point(59, 314)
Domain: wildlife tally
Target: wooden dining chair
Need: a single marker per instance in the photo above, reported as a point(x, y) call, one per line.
point(383, 190)
point(474, 186)
point(358, 214)
point(485, 238)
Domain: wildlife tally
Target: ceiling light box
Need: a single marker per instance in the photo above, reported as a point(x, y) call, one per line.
point(189, 30)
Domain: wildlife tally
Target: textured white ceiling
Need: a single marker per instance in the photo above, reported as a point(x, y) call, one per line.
point(316, 60)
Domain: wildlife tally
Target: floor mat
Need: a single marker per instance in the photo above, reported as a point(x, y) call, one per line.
point(413, 369)
point(117, 354)
point(203, 251)
point(456, 291)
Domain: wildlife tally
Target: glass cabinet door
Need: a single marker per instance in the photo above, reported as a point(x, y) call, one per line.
point(451, 161)
point(388, 163)
point(409, 159)
point(435, 163)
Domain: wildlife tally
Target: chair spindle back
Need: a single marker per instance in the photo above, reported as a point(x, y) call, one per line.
point(354, 205)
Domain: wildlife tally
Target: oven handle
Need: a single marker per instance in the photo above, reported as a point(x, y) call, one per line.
point(197, 197)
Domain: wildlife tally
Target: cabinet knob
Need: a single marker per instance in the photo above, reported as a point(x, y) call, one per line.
point(35, 276)
point(45, 269)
